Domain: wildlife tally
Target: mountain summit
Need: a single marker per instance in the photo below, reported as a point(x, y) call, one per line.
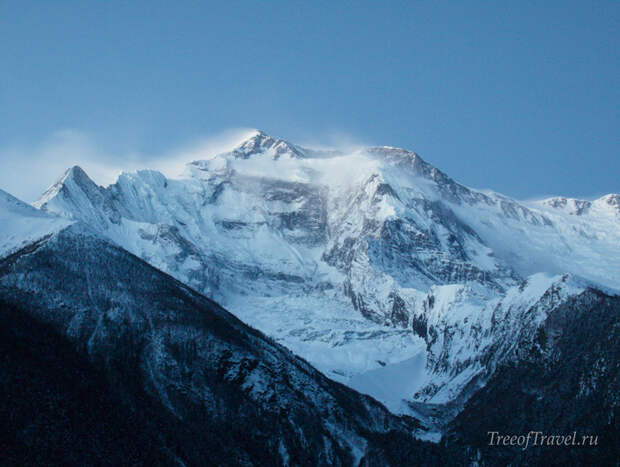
point(261, 143)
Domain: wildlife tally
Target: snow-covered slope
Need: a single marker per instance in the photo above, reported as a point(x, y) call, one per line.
point(364, 262)
point(21, 224)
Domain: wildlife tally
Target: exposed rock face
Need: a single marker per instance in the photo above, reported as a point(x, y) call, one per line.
point(577, 207)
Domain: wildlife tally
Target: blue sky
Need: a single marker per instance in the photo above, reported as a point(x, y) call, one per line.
point(520, 97)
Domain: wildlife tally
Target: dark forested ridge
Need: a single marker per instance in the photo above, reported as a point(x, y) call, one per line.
point(565, 381)
point(57, 408)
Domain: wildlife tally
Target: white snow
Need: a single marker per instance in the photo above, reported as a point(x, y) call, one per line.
point(21, 224)
point(328, 333)
point(545, 239)
point(393, 384)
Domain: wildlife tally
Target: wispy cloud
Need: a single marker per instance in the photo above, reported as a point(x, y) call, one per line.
point(339, 140)
point(27, 170)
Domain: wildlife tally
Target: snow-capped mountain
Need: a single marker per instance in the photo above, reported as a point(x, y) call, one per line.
point(372, 264)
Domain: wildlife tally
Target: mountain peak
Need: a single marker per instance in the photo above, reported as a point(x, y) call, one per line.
point(571, 206)
point(610, 201)
point(261, 143)
point(73, 177)
point(611, 198)
point(76, 174)
point(76, 169)
point(73, 174)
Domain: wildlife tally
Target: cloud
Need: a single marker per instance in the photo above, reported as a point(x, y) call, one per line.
point(173, 163)
point(339, 140)
point(26, 171)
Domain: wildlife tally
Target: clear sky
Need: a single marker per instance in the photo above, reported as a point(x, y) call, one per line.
point(520, 97)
